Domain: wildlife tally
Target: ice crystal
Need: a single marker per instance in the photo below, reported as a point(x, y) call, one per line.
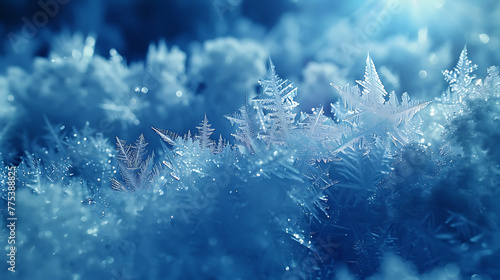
point(460, 79)
point(136, 172)
point(308, 194)
point(204, 135)
point(277, 101)
point(374, 112)
point(245, 134)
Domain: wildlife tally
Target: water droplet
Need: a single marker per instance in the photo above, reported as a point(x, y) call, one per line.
point(422, 74)
point(484, 38)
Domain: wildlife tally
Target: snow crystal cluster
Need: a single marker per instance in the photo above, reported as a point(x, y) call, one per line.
point(208, 164)
point(310, 196)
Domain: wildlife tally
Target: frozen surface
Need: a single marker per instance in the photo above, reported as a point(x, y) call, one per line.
point(235, 139)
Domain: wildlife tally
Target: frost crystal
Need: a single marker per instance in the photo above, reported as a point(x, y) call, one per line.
point(245, 134)
point(294, 186)
point(460, 78)
point(204, 135)
point(136, 172)
point(278, 104)
point(373, 112)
